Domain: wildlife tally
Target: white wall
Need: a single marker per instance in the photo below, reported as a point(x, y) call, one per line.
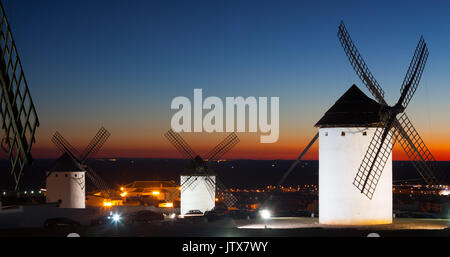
point(340, 202)
point(199, 196)
point(69, 187)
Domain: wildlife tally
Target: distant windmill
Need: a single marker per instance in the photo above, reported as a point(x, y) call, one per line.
point(344, 132)
point(199, 175)
point(71, 155)
point(19, 117)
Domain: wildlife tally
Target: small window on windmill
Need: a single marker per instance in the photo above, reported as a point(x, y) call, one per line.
point(326, 134)
point(76, 175)
point(364, 133)
point(56, 175)
point(65, 175)
point(343, 133)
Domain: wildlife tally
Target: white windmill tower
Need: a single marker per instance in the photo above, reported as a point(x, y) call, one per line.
point(357, 135)
point(66, 179)
point(345, 132)
point(199, 185)
point(66, 183)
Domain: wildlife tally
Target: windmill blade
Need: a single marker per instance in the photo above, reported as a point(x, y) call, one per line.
point(223, 147)
point(414, 73)
point(211, 188)
point(187, 184)
point(98, 182)
point(359, 65)
point(96, 143)
point(19, 117)
point(293, 165)
point(418, 153)
point(178, 142)
point(299, 159)
point(374, 160)
point(184, 185)
point(222, 193)
point(173, 195)
point(64, 146)
point(407, 93)
point(379, 150)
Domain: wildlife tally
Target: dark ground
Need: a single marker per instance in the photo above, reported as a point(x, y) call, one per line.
point(229, 228)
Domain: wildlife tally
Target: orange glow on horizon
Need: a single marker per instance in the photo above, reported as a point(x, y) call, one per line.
point(440, 153)
point(289, 146)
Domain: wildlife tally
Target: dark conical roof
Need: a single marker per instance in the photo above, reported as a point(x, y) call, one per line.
point(66, 163)
point(353, 109)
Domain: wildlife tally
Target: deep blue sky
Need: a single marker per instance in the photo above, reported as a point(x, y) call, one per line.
point(120, 63)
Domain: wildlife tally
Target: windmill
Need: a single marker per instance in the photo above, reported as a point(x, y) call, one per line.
point(395, 128)
point(19, 117)
point(200, 175)
point(366, 145)
point(77, 160)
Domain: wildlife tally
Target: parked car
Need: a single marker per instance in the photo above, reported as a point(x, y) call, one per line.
point(284, 213)
point(243, 214)
point(144, 216)
point(304, 213)
point(216, 214)
point(61, 222)
point(423, 215)
point(403, 214)
point(193, 213)
point(101, 220)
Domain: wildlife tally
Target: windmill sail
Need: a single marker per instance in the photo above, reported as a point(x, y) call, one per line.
point(19, 117)
point(93, 147)
point(200, 165)
point(405, 132)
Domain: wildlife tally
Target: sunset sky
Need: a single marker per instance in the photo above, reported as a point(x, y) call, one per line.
point(119, 64)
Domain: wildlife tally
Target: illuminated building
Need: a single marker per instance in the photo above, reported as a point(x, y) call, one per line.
point(159, 190)
point(345, 132)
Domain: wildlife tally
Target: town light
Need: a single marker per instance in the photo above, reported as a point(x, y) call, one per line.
point(155, 192)
point(166, 205)
point(107, 204)
point(444, 192)
point(124, 194)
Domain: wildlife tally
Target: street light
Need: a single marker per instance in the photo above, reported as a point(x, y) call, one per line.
point(116, 217)
point(265, 214)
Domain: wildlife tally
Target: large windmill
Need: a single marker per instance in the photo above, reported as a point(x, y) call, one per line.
point(199, 185)
point(19, 117)
point(357, 134)
point(77, 163)
point(397, 128)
